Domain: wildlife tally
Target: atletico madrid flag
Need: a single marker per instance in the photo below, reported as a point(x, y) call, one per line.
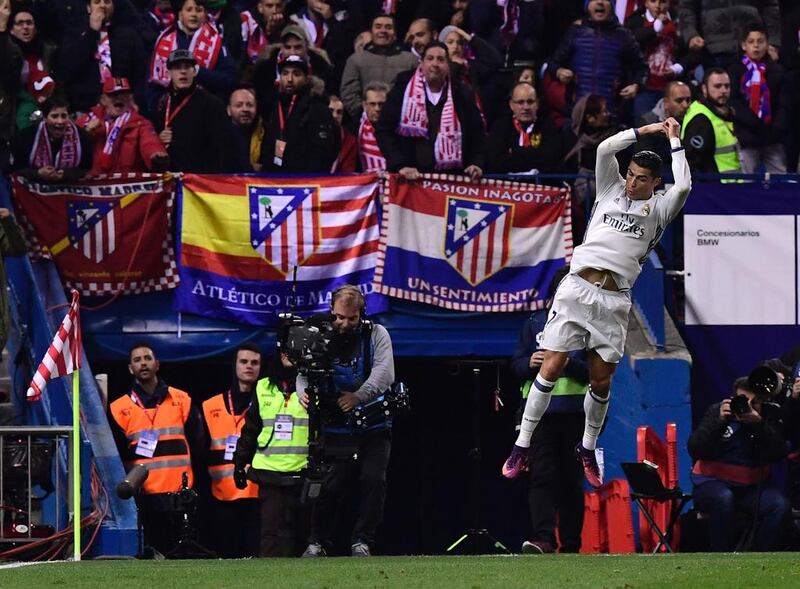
point(63, 357)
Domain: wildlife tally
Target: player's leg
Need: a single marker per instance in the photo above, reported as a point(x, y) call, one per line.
point(536, 405)
point(595, 406)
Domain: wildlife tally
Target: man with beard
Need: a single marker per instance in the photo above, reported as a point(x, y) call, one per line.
point(155, 425)
point(675, 103)
point(248, 130)
point(234, 511)
point(55, 150)
point(300, 134)
point(711, 143)
point(124, 141)
point(421, 32)
point(192, 123)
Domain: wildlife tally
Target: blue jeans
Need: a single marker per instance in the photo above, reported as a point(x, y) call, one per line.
point(722, 502)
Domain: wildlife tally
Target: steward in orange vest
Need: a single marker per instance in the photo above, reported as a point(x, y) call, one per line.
point(234, 516)
point(155, 425)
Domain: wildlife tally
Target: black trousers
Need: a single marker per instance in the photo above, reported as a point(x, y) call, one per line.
point(374, 449)
point(234, 530)
point(556, 480)
point(284, 521)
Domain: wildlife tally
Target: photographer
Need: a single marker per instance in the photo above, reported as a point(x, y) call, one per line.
point(363, 371)
point(732, 448)
point(156, 425)
point(233, 511)
point(274, 442)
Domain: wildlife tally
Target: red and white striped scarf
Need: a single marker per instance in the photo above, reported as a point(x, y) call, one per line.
point(103, 56)
point(254, 37)
point(524, 133)
point(69, 156)
point(372, 159)
point(112, 134)
point(447, 149)
point(206, 45)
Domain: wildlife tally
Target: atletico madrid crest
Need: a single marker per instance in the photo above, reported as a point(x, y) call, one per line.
point(93, 227)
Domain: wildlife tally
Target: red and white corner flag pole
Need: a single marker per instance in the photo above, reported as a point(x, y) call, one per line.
point(63, 357)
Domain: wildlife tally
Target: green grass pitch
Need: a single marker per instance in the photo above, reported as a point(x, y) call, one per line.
point(679, 571)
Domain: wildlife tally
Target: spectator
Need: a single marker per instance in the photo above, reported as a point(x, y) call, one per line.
point(300, 134)
point(104, 48)
point(380, 61)
point(12, 243)
point(718, 27)
point(474, 62)
point(515, 28)
point(675, 103)
point(522, 142)
point(266, 76)
point(707, 130)
point(277, 473)
point(421, 32)
point(665, 53)
point(37, 81)
point(157, 426)
point(348, 152)
point(599, 56)
point(191, 122)
point(248, 129)
point(124, 141)
point(194, 33)
point(332, 30)
point(55, 150)
point(430, 122)
point(369, 151)
point(732, 451)
point(760, 101)
point(260, 27)
point(556, 478)
point(11, 62)
point(234, 512)
point(159, 17)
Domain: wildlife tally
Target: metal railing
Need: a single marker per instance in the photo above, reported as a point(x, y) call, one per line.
point(29, 460)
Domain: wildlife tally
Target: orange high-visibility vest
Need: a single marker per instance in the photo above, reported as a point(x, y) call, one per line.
point(172, 457)
point(222, 424)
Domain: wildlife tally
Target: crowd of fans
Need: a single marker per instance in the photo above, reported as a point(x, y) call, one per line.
point(465, 86)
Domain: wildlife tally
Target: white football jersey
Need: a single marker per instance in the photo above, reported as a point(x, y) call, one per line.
point(622, 231)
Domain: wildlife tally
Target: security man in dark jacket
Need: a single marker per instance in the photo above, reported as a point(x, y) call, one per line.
point(732, 449)
point(300, 135)
point(192, 123)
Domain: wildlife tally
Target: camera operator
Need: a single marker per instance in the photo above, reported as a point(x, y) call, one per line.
point(156, 425)
point(732, 448)
point(234, 512)
point(274, 442)
point(361, 373)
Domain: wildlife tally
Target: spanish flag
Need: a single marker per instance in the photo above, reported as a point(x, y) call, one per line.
point(243, 239)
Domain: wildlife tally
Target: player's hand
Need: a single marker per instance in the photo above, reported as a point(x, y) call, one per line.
point(536, 359)
point(725, 412)
point(672, 128)
point(564, 75)
point(347, 401)
point(629, 92)
point(651, 129)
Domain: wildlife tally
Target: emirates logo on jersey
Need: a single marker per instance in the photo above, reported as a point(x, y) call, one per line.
point(624, 224)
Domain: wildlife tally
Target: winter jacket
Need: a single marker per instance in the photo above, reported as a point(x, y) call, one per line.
point(373, 64)
point(604, 57)
point(751, 130)
point(416, 152)
point(507, 156)
point(80, 72)
point(311, 135)
point(721, 23)
point(202, 137)
point(135, 147)
point(22, 145)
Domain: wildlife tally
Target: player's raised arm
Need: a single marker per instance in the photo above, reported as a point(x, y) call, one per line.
point(676, 196)
point(607, 168)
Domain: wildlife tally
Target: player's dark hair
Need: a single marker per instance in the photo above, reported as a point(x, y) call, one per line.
point(649, 160)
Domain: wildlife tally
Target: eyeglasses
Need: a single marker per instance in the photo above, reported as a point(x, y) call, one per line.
point(24, 23)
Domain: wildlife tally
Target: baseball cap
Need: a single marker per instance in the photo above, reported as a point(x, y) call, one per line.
point(295, 31)
point(293, 60)
point(179, 56)
point(112, 85)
